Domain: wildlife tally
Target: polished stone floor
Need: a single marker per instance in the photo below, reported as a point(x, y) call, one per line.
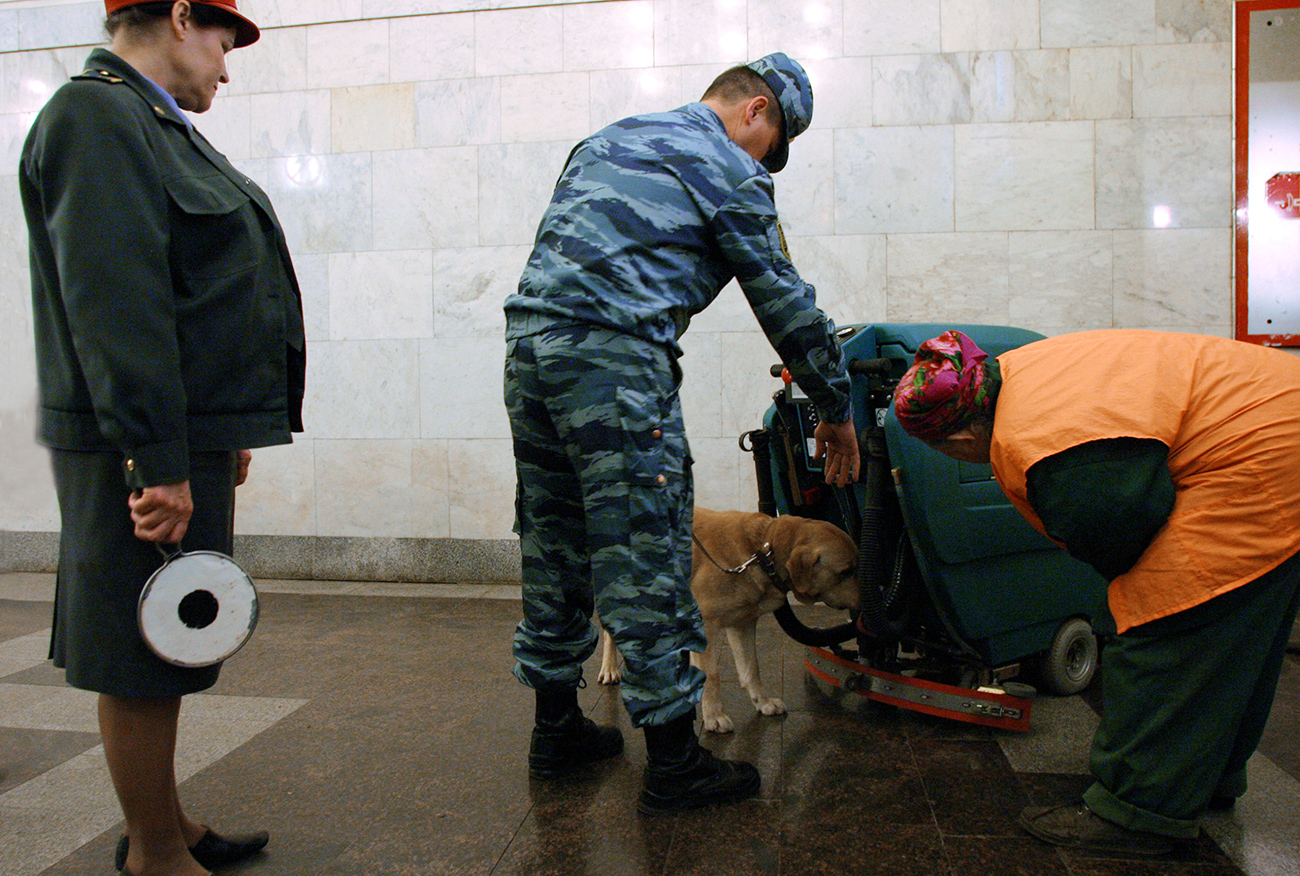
point(375, 729)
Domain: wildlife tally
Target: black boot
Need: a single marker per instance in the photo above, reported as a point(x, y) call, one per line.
point(681, 774)
point(563, 738)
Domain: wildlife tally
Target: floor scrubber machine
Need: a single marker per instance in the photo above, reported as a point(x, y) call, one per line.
point(964, 609)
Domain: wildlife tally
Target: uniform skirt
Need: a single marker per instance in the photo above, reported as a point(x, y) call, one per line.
point(103, 567)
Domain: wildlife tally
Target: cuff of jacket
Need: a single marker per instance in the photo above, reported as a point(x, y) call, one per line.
point(156, 464)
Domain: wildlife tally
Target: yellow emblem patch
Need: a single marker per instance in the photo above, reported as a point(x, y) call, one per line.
point(780, 233)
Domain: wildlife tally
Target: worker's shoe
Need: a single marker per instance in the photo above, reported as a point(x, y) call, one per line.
point(563, 738)
point(1075, 826)
point(681, 774)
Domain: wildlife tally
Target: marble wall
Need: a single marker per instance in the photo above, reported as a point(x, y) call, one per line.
point(1053, 164)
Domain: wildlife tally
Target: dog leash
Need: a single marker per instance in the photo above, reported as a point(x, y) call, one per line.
point(763, 557)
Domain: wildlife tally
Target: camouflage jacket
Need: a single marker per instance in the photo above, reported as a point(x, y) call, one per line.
point(650, 219)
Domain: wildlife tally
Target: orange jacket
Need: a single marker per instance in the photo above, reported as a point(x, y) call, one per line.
point(1229, 413)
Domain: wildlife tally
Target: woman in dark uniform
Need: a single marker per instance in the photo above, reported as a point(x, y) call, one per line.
point(169, 340)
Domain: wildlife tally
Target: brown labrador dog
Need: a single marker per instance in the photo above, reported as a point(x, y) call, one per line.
point(811, 559)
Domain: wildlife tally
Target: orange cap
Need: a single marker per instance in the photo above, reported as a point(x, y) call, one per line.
point(246, 32)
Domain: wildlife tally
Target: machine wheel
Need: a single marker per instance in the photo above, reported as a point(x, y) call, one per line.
point(1069, 665)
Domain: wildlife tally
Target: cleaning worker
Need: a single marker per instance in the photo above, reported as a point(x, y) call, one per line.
point(1171, 464)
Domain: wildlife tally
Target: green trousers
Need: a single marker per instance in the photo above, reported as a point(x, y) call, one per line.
point(1187, 698)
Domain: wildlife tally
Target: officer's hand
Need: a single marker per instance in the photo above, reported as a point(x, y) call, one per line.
point(162, 513)
point(838, 442)
point(243, 459)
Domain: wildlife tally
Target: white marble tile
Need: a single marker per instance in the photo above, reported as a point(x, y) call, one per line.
point(1193, 21)
point(921, 89)
point(8, 30)
point(1027, 86)
point(280, 13)
point(723, 474)
point(949, 278)
point(26, 480)
point(807, 31)
point(431, 47)
point(426, 198)
point(1173, 277)
point(1033, 176)
point(275, 63)
point(30, 78)
point(1061, 278)
point(290, 123)
point(517, 41)
point(323, 201)
point(369, 489)
point(981, 26)
point(608, 36)
point(364, 389)
point(1182, 80)
point(65, 24)
point(545, 106)
point(45, 707)
point(458, 112)
point(728, 312)
point(24, 652)
point(848, 271)
point(696, 78)
point(28, 587)
point(618, 94)
point(1164, 172)
point(430, 485)
point(346, 54)
point(515, 185)
point(887, 27)
point(461, 390)
point(1101, 82)
point(312, 271)
point(481, 498)
point(469, 287)
point(701, 390)
point(747, 381)
point(13, 133)
point(371, 118)
point(805, 188)
point(893, 180)
point(701, 32)
point(228, 126)
point(383, 295)
point(841, 92)
point(279, 497)
point(1075, 23)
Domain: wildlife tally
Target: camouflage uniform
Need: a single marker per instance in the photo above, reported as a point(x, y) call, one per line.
point(651, 217)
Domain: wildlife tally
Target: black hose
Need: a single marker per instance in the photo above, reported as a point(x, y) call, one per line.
point(760, 444)
point(795, 629)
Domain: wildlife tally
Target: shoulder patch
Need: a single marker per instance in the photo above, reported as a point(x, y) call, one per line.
point(780, 233)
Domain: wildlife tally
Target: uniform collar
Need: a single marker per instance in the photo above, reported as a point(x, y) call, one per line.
point(103, 64)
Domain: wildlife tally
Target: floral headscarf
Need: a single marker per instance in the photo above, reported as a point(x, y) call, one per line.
point(945, 388)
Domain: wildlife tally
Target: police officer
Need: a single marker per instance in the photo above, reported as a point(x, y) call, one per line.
point(650, 219)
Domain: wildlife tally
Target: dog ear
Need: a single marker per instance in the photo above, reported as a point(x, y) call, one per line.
point(800, 565)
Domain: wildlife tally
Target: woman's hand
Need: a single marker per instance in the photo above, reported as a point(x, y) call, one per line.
point(162, 513)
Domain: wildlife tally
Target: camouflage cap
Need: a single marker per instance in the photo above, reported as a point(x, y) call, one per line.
point(793, 91)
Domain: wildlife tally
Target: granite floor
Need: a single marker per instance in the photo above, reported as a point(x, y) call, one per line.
point(375, 729)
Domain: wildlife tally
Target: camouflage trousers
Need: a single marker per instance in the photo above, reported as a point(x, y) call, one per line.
point(604, 509)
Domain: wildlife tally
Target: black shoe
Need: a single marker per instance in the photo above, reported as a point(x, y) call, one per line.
point(212, 851)
point(1075, 826)
point(681, 774)
point(563, 738)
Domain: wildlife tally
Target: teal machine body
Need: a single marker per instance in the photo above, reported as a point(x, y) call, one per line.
point(962, 588)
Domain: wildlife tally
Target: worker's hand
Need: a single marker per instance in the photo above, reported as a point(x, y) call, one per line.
point(162, 513)
point(838, 443)
point(243, 458)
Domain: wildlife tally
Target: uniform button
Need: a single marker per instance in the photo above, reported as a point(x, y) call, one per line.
point(130, 465)
point(657, 433)
point(661, 479)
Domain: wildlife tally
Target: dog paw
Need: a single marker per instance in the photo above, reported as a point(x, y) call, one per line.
point(609, 676)
point(718, 724)
point(770, 706)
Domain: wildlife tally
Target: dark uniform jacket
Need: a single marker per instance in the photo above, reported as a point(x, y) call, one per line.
point(166, 311)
